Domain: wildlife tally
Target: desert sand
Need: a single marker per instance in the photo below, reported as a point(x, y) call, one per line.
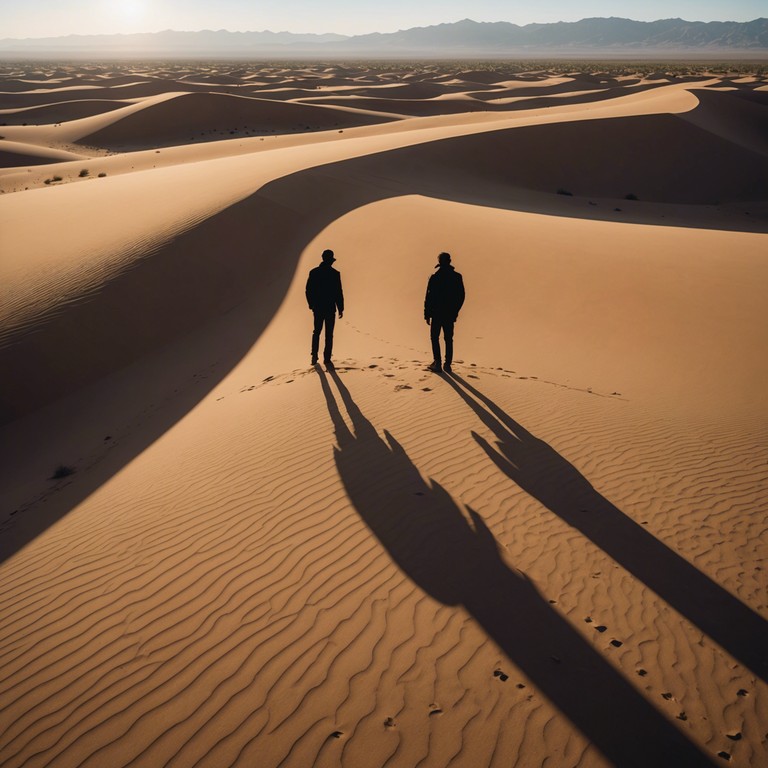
point(214, 554)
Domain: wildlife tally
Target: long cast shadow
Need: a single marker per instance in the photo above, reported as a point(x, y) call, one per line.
point(547, 476)
point(457, 561)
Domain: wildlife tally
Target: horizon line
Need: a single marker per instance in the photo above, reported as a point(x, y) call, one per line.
point(363, 34)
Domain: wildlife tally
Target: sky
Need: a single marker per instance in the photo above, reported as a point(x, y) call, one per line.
point(53, 18)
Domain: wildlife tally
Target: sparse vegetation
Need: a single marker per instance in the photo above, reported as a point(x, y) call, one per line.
point(84, 173)
point(102, 175)
point(631, 196)
point(562, 191)
point(62, 471)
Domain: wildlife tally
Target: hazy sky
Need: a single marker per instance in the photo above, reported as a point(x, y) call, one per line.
point(43, 18)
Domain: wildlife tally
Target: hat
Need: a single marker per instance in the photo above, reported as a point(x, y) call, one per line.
point(328, 256)
point(443, 258)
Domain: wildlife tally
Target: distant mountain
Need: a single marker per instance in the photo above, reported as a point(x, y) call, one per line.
point(612, 33)
point(459, 39)
point(168, 42)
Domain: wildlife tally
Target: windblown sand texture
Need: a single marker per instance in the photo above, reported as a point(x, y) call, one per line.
point(556, 556)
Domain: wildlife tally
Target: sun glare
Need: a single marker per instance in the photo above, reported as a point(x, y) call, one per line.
point(129, 10)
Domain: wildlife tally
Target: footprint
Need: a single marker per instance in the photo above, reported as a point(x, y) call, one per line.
point(398, 387)
point(498, 673)
point(666, 696)
point(390, 722)
point(734, 736)
point(616, 643)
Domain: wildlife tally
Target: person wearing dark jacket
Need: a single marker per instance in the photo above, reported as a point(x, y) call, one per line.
point(324, 296)
point(444, 299)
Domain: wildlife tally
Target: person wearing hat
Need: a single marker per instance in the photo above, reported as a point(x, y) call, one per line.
point(324, 296)
point(444, 299)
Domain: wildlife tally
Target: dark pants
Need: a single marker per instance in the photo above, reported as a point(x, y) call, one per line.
point(327, 318)
point(446, 326)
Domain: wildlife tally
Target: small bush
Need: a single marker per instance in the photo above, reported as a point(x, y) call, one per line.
point(48, 181)
point(562, 191)
point(57, 178)
point(102, 175)
point(631, 196)
point(62, 471)
point(84, 173)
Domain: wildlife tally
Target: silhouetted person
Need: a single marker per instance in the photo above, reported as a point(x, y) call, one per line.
point(445, 296)
point(324, 296)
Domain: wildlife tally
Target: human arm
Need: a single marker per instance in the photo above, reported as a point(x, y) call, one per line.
point(340, 299)
point(460, 295)
point(309, 291)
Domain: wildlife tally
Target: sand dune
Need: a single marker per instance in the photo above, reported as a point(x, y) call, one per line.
point(191, 116)
point(685, 164)
point(17, 153)
point(736, 119)
point(555, 556)
point(58, 113)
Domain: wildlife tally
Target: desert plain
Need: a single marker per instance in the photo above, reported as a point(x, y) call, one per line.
point(215, 554)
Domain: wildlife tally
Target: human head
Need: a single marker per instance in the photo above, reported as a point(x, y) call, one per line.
point(443, 259)
point(328, 257)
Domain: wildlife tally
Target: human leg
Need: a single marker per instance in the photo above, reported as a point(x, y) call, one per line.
point(448, 336)
point(317, 327)
point(434, 334)
point(330, 322)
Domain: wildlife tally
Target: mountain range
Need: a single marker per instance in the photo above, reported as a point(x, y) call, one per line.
point(459, 39)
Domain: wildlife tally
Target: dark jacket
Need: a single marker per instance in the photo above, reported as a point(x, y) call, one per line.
point(445, 294)
point(323, 290)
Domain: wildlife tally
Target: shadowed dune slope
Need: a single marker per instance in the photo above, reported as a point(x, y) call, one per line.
point(657, 158)
point(139, 90)
point(175, 288)
point(413, 107)
point(744, 121)
point(17, 153)
point(59, 112)
point(185, 117)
